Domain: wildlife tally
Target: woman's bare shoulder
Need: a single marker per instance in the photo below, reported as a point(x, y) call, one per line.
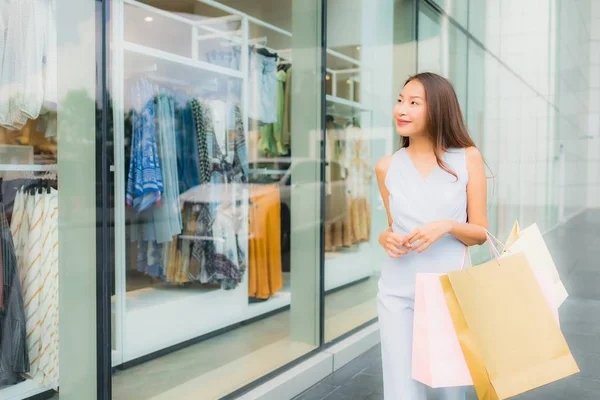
point(383, 165)
point(473, 155)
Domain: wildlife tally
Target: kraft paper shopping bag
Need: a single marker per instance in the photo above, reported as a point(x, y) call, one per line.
point(531, 242)
point(437, 358)
point(506, 328)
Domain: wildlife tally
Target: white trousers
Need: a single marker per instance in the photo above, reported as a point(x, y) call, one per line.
point(396, 329)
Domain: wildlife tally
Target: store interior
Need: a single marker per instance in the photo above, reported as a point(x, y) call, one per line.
point(29, 270)
point(160, 282)
point(202, 100)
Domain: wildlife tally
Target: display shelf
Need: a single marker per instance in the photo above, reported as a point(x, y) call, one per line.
point(346, 267)
point(165, 317)
point(172, 65)
point(344, 106)
point(23, 390)
point(28, 167)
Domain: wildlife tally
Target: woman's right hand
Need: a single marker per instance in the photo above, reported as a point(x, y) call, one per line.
point(393, 243)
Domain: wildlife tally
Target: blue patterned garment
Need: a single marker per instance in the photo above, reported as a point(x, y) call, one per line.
point(145, 182)
point(187, 145)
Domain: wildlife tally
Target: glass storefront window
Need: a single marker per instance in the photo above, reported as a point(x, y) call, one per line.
point(217, 191)
point(47, 199)
point(442, 48)
point(368, 54)
point(244, 212)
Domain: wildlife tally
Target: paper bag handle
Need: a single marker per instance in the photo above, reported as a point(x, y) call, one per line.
point(492, 243)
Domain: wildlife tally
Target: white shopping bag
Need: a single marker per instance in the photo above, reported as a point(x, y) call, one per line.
point(531, 242)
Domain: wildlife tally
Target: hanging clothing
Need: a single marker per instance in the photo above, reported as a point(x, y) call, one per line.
point(149, 258)
point(272, 135)
point(1, 281)
point(265, 275)
point(223, 162)
point(187, 146)
point(229, 88)
point(50, 64)
point(49, 346)
point(34, 227)
point(144, 181)
point(229, 255)
point(14, 355)
point(278, 126)
point(203, 250)
point(263, 88)
point(287, 111)
point(28, 48)
point(31, 277)
point(163, 221)
point(336, 203)
point(358, 181)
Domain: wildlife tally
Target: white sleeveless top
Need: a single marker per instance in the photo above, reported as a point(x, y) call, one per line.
point(415, 201)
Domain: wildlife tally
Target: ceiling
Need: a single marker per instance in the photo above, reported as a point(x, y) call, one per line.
point(275, 12)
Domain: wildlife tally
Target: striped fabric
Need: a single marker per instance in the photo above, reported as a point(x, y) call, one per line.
point(34, 229)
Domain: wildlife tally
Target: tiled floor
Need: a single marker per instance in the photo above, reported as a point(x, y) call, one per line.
point(575, 248)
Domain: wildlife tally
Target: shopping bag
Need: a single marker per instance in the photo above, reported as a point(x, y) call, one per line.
point(437, 359)
point(506, 329)
point(531, 242)
point(513, 236)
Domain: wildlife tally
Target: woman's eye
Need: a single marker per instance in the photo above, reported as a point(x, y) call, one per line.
point(414, 103)
point(399, 100)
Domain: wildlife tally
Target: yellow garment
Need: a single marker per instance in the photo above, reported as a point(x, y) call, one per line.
point(265, 275)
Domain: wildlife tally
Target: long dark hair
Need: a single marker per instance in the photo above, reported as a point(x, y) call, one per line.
point(445, 121)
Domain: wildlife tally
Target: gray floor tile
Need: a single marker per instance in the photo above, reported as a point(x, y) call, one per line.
point(589, 364)
point(317, 392)
point(581, 342)
point(374, 396)
point(582, 389)
point(373, 369)
point(583, 284)
point(362, 385)
point(580, 315)
point(346, 373)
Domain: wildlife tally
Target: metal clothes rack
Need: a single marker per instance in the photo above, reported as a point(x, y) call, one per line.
point(28, 167)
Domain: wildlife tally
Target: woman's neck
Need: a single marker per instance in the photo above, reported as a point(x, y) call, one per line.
point(420, 145)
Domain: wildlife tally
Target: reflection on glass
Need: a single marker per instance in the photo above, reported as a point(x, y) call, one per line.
point(29, 270)
point(204, 194)
point(364, 61)
point(443, 49)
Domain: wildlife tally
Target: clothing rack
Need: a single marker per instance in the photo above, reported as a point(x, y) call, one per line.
point(132, 321)
point(28, 167)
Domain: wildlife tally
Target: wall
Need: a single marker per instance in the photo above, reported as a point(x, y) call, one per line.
point(527, 77)
point(593, 132)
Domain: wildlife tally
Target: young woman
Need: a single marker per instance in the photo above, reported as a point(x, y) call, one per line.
point(434, 191)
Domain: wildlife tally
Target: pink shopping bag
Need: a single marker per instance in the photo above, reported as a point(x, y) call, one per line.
point(437, 358)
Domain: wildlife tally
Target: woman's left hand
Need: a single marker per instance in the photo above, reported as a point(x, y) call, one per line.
point(424, 236)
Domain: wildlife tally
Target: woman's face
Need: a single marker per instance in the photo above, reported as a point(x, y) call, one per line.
point(410, 112)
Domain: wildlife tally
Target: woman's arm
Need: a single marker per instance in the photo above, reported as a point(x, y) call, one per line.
point(381, 170)
point(473, 231)
point(391, 242)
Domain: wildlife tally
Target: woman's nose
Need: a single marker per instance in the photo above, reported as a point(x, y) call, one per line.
point(400, 109)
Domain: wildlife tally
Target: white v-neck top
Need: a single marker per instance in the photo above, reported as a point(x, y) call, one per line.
point(415, 201)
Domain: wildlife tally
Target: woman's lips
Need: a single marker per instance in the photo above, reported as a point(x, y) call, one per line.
point(402, 122)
